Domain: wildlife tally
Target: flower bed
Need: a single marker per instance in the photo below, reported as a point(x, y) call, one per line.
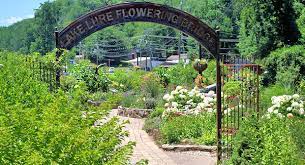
point(184, 102)
point(286, 105)
point(188, 118)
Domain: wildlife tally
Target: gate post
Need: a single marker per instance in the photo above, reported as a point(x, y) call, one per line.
point(58, 53)
point(218, 96)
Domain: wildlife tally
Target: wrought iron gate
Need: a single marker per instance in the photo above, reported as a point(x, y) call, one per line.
point(240, 93)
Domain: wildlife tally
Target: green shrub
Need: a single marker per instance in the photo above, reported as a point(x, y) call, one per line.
point(84, 71)
point(297, 129)
point(132, 100)
point(267, 141)
point(301, 89)
point(210, 73)
point(285, 65)
point(177, 129)
point(163, 75)
point(268, 92)
point(151, 86)
point(150, 103)
point(181, 74)
point(157, 112)
point(152, 124)
point(131, 79)
point(154, 120)
point(300, 10)
point(38, 127)
point(232, 88)
point(184, 75)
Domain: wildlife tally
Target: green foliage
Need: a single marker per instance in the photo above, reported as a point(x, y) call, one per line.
point(154, 120)
point(232, 88)
point(210, 73)
point(302, 87)
point(67, 83)
point(18, 37)
point(182, 75)
point(297, 129)
point(46, 19)
point(84, 71)
point(151, 86)
point(256, 40)
point(274, 90)
point(142, 162)
point(163, 75)
point(265, 26)
point(300, 11)
point(152, 90)
point(200, 127)
point(38, 127)
point(157, 112)
point(131, 79)
point(152, 124)
point(285, 65)
point(150, 103)
point(267, 141)
point(132, 100)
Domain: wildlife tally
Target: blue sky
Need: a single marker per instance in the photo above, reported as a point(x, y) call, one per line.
point(12, 11)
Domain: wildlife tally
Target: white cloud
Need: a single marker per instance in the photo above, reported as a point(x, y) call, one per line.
point(11, 20)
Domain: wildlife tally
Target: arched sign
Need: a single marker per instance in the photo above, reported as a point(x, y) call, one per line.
point(144, 12)
point(138, 12)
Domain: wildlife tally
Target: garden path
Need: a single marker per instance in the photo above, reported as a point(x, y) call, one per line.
point(146, 148)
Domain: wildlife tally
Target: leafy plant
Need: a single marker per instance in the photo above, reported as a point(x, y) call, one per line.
point(150, 103)
point(38, 127)
point(182, 75)
point(163, 75)
point(268, 92)
point(132, 100)
point(83, 71)
point(151, 86)
point(285, 65)
point(130, 79)
point(267, 141)
point(200, 127)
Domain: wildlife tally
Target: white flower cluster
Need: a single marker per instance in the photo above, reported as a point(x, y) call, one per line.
point(183, 101)
point(286, 105)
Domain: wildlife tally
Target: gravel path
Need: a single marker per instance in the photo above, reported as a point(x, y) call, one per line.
point(146, 148)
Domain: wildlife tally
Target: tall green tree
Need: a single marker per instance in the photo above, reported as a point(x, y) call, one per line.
point(265, 26)
point(299, 7)
point(46, 19)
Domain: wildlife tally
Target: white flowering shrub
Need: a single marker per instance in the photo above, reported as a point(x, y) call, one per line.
point(286, 105)
point(184, 102)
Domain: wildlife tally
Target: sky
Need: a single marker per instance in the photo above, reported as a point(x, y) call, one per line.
point(12, 11)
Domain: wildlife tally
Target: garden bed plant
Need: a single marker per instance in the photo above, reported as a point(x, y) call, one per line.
point(276, 138)
point(188, 117)
point(40, 127)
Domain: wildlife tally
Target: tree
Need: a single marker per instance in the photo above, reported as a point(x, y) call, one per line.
point(300, 12)
point(46, 19)
point(265, 26)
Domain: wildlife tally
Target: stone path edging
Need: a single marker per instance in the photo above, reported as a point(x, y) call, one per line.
point(179, 148)
point(133, 112)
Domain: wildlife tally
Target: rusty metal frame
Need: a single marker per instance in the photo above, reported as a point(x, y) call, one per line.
point(145, 12)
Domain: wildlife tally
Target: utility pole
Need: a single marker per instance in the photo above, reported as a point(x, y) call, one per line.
point(200, 52)
point(180, 33)
point(96, 52)
point(146, 62)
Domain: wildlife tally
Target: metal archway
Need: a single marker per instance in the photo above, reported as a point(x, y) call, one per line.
point(145, 12)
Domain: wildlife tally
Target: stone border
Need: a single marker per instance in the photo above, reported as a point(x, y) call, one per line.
point(179, 148)
point(134, 112)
